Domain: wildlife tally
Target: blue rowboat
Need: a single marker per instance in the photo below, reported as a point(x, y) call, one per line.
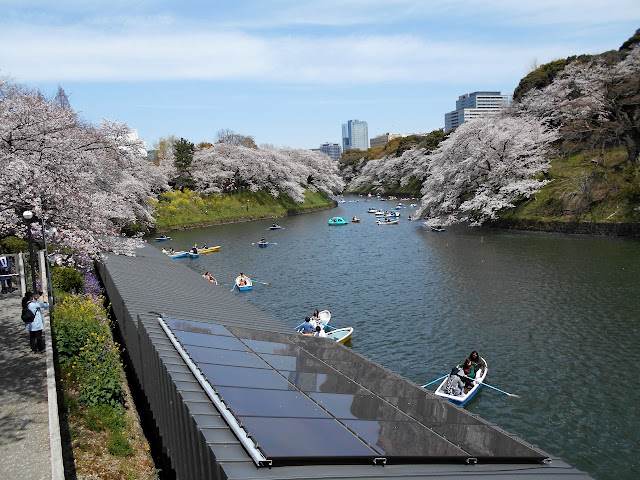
point(465, 397)
point(179, 255)
point(193, 255)
point(263, 244)
point(337, 221)
point(162, 239)
point(275, 226)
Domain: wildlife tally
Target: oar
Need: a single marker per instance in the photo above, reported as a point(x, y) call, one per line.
point(258, 281)
point(491, 386)
point(436, 380)
point(234, 287)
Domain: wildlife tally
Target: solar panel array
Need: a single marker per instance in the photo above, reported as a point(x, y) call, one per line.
point(289, 393)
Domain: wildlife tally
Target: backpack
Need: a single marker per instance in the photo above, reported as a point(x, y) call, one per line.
point(27, 315)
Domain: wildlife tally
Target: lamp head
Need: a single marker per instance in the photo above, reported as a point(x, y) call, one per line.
point(27, 215)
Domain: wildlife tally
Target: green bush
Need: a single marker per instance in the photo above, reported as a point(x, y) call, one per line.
point(87, 354)
point(66, 279)
point(13, 245)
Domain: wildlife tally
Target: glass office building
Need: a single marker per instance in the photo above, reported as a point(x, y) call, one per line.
point(355, 135)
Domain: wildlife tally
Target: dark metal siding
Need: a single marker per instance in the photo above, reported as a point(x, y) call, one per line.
point(194, 435)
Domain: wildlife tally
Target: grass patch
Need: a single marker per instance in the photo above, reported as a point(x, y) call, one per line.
point(189, 209)
point(586, 187)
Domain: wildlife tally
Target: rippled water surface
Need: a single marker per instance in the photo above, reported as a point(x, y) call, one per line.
point(555, 316)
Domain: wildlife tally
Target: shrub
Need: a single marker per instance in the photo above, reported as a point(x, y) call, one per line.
point(86, 352)
point(13, 245)
point(66, 279)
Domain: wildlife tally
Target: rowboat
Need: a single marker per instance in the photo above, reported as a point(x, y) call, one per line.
point(340, 335)
point(386, 221)
point(179, 255)
point(465, 397)
point(209, 250)
point(193, 255)
point(162, 239)
point(263, 244)
point(355, 220)
point(275, 226)
point(437, 229)
point(372, 210)
point(248, 285)
point(337, 221)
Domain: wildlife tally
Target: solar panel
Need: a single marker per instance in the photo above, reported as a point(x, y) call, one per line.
point(303, 400)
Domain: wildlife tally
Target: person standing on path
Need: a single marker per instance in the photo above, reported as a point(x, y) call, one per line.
point(35, 328)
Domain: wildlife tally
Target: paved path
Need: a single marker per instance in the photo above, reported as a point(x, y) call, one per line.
point(25, 451)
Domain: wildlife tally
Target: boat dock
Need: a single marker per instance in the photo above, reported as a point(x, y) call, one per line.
point(233, 394)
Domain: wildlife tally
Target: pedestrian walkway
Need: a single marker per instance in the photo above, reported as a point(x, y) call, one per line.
point(25, 447)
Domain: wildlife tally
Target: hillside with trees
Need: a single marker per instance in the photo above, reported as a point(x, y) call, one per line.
point(566, 151)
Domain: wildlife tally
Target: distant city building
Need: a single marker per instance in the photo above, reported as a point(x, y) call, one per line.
point(383, 139)
point(475, 105)
point(332, 149)
point(355, 135)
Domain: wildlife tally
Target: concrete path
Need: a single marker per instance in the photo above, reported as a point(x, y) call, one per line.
point(25, 448)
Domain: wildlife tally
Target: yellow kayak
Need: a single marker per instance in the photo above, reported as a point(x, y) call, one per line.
point(209, 250)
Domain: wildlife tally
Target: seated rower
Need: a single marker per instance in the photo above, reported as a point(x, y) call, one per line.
point(306, 327)
point(243, 280)
point(469, 371)
point(194, 249)
point(454, 385)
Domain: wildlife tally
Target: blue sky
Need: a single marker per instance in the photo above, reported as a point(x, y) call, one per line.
point(290, 72)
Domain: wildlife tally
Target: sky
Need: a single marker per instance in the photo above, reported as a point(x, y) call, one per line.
point(291, 72)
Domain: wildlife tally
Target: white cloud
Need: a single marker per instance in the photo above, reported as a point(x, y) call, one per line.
point(59, 54)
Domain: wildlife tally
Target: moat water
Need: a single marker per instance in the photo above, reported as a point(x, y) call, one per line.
point(557, 317)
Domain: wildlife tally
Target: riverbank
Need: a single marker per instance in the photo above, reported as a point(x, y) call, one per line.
point(184, 210)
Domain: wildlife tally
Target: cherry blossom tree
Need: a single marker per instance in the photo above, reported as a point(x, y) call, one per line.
point(483, 167)
point(594, 102)
point(85, 181)
point(226, 168)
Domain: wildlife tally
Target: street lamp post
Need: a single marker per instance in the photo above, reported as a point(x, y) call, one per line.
point(28, 216)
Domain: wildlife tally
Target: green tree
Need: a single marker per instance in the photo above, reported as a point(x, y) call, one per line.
point(183, 151)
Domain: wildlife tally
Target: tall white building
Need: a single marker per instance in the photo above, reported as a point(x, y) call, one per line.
point(355, 134)
point(475, 105)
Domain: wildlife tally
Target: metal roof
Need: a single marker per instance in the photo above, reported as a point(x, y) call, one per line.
point(377, 413)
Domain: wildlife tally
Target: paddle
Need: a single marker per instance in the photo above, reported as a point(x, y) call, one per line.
point(436, 380)
point(491, 386)
point(258, 281)
point(234, 287)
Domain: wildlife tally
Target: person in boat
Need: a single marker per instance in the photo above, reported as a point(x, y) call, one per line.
point(243, 280)
point(171, 251)
point(320, 332)
point(195, 248)
point(263, 240)
point(204, 247)
point(455, 385)
point(209, 277)
point(164, 250)
point(163, 236)
point(469, 370)
point(307, 326)
point(479, 363)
